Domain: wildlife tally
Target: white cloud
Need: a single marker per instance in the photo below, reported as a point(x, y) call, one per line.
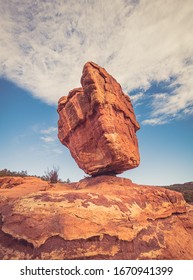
point(50, 140)
point(57, 151)
point(47, 139)
point(180, 99)
point(49, 134)
point(154, 121)
point(49, 130)
point(44, 45)
point(136, 97)
point(188, 111)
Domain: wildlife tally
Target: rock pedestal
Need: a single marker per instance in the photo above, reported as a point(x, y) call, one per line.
point(101, 217)
point(98, 125)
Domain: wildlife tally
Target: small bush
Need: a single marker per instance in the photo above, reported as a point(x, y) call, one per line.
point(52, 175)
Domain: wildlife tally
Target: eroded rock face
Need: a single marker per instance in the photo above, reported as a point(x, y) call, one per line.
point(98, 125)
point(103, 217)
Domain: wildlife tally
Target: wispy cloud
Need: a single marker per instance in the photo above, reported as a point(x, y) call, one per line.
point(50, 140)
point(136, 97)
point(44, 44)
point(49, 130)
point(188, 111)
point(47, 139)
point(154, 121)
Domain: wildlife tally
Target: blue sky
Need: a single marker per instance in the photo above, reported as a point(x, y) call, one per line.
point(145, 45)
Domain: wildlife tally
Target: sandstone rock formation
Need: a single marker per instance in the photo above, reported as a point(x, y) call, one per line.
point(97, 123)
point(102, 217)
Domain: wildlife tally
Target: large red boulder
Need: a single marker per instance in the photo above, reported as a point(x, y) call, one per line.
point(98, 125)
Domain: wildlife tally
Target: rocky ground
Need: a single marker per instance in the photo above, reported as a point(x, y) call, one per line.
point(186, 189)
point(103, 217)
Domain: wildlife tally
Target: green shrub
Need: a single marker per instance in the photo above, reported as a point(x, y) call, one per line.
point(52, 175)
point(6, 172)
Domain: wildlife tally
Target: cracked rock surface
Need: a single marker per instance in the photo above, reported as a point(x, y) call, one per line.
point(103, 217)
point(98, 125)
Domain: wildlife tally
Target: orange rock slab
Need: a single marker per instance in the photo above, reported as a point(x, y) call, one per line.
point(98, 125)
point(101, 217)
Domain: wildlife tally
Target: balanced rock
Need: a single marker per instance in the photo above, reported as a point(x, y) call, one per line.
point(98, 125)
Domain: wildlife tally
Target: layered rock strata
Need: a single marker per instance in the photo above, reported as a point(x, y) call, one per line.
point(103, 217)
point(98, 125)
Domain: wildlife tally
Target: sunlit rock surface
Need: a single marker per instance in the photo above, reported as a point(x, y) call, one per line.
point(98, 125)
point(103, 217)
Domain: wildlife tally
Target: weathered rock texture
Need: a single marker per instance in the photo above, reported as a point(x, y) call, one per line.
point(97, 123)
point(103, 217)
